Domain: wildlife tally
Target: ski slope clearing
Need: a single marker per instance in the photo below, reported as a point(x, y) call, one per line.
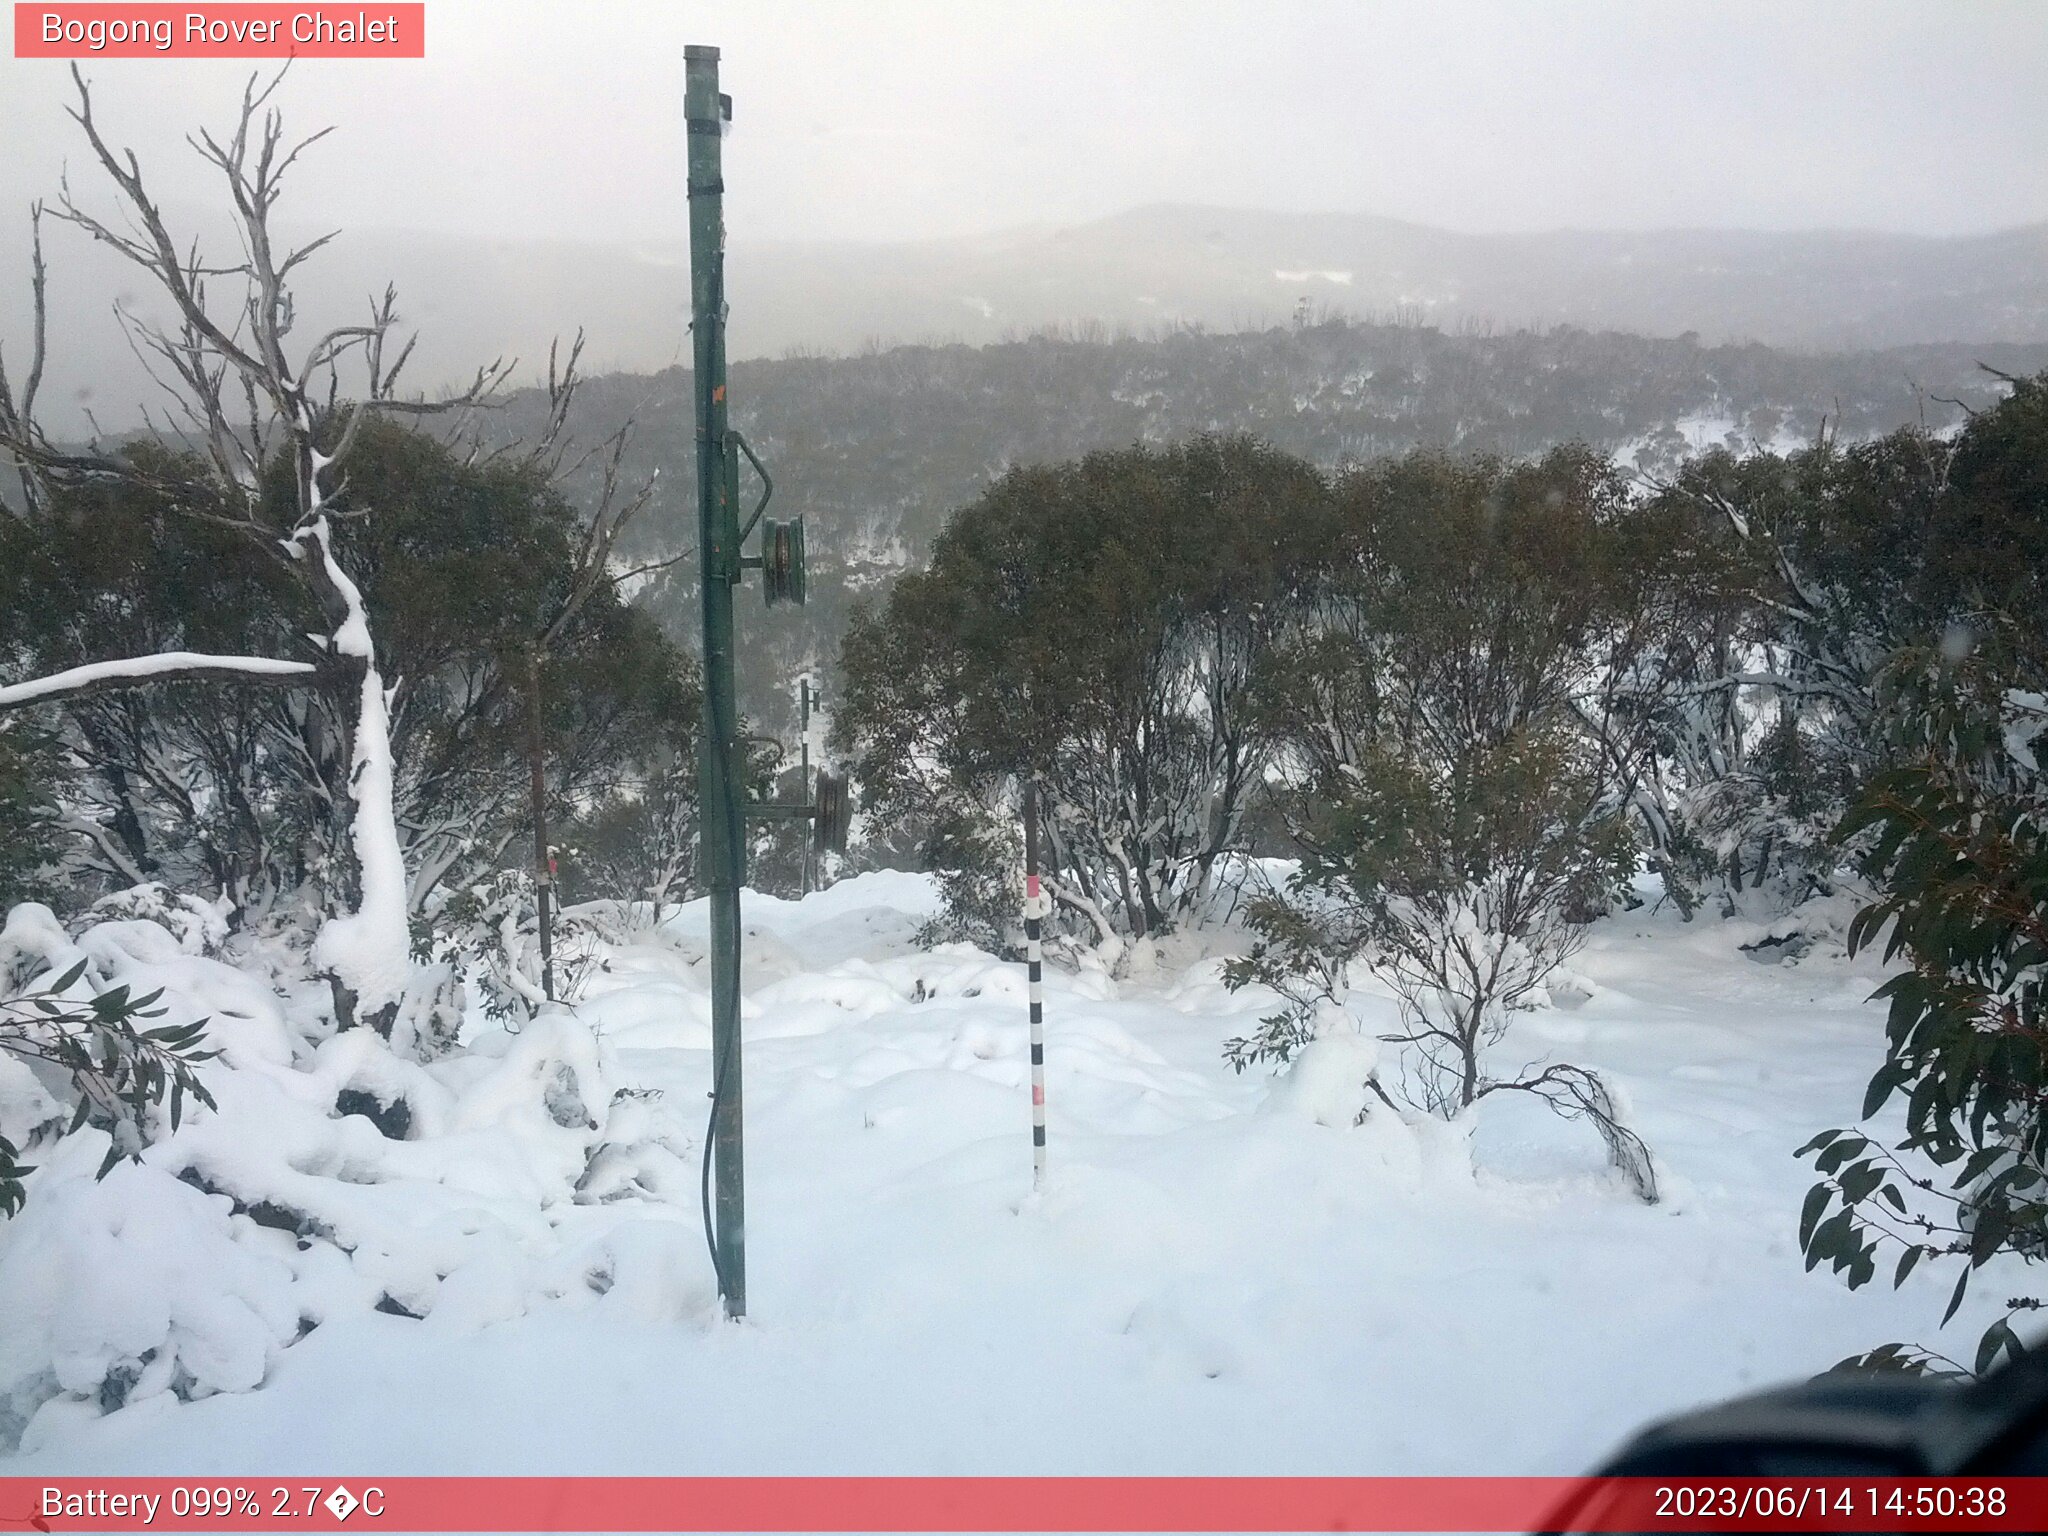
point(1225, 1274)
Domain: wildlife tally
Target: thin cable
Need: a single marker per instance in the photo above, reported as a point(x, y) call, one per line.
point(704, 1179)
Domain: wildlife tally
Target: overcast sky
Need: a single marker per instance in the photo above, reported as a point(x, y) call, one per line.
point(901, 119)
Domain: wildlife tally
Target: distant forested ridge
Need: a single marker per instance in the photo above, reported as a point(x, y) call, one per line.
point(877, 450)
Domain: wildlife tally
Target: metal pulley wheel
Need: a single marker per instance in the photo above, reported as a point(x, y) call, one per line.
point(832, 812)
point(782, 561)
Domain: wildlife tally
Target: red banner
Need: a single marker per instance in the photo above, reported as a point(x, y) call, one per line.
point(1006, 1504)
point(359, 31)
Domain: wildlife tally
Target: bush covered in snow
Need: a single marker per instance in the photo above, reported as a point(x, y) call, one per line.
point(311, 1173)
point(78, 1050)
point(1459, 825)
point(489, 933)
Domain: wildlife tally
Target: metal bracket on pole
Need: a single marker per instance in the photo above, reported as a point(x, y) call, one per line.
point(767, 482)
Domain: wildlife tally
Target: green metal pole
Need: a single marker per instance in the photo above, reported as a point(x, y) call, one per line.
point(720, 816)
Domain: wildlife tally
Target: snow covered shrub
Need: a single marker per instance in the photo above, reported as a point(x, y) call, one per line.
point(199, 927)
point(978, 859)
point(1464, 892)
point(313, 1175)
point(1827, 564)
point(491, 932)
point(1304, 951)
point(76, 1048)
point(1458, 823)
point(638, 841)
point(428, 1024)
point(1766, 825)
point(642, 1153)
point(122, 1289)
point(1464, 895)
point(1332, 1079)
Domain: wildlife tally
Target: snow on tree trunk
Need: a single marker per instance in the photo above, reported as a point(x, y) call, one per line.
point(368, 950)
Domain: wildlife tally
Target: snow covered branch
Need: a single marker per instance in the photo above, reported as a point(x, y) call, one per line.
point(164, 667)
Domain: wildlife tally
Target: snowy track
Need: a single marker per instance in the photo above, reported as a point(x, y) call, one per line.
point(1215, 1281)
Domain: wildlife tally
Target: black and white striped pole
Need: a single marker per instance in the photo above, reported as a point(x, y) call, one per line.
point(1036, 906)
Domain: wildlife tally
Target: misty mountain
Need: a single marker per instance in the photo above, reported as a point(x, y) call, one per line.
point(1148, 271)
point(1232, 268)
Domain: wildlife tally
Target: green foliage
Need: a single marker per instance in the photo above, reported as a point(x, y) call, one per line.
point(1464, 885)
point(637, 841)
point(1302, 951)
point(976, 858)
point(1424, 834)
point(464, 568)
point(1099, 625)
point(1457, 804)
point(118, 1070)
point(1830, 562)
point(1952, 824)
point(229, 787)
point(490, 932)
point(878, 450)
point(1957, 831)
point(1457, 821)
point(640, 841)
point(32, 774)
point(181, 783)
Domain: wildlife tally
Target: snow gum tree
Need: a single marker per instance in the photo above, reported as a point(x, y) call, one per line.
point(1100, 626)
point(1459, 825)
point(272, 511)
point(246, 391)
point(1824, 564)
point(1959, 836)
point(224, 786)
point(1952, 828)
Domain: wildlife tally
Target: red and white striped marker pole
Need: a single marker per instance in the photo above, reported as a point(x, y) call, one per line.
point(1036, 905)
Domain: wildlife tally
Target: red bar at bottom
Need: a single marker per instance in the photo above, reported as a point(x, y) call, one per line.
point(1009, 1504)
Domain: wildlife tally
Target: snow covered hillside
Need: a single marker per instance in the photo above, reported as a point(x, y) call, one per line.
point(1226, 1274)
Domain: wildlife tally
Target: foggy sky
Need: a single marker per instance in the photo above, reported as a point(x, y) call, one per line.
point(905, 119)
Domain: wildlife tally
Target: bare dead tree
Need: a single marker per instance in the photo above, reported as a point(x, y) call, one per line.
point(17, 416)
point(241, 396)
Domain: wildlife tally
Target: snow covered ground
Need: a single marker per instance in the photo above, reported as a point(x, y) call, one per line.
point(1225, 1275)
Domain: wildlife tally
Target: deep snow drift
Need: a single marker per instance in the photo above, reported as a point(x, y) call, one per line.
point(1224, 1275)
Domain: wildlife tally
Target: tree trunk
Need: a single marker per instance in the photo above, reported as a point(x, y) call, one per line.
point(543, 857)
point(367, 951)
